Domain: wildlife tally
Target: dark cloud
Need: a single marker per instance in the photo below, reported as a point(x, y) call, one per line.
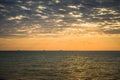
point(56, 14)
point(112, 31)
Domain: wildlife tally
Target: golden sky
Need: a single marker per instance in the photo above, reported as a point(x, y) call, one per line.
point(62, 43)
point(60, 25)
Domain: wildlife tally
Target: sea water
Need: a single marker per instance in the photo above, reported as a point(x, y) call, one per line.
point(59, 65)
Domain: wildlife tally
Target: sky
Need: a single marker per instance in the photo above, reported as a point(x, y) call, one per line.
point(59, 24)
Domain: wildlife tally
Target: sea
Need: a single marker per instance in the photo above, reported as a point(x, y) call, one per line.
point(59, 65)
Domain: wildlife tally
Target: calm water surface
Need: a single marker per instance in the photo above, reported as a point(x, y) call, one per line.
point(60, 65)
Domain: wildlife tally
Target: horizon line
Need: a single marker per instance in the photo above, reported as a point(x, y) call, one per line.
point(60, 50)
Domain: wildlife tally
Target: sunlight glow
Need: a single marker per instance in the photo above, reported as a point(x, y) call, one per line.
point(60, 24)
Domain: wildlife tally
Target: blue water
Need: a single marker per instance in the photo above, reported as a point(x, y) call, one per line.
point(59, 65)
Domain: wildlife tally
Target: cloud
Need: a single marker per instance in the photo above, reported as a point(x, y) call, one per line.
point(53, 16)
point(113, 31)
point(24, 8)
point(19, 17)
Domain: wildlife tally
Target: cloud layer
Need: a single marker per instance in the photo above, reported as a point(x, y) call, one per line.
point(21, 18)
